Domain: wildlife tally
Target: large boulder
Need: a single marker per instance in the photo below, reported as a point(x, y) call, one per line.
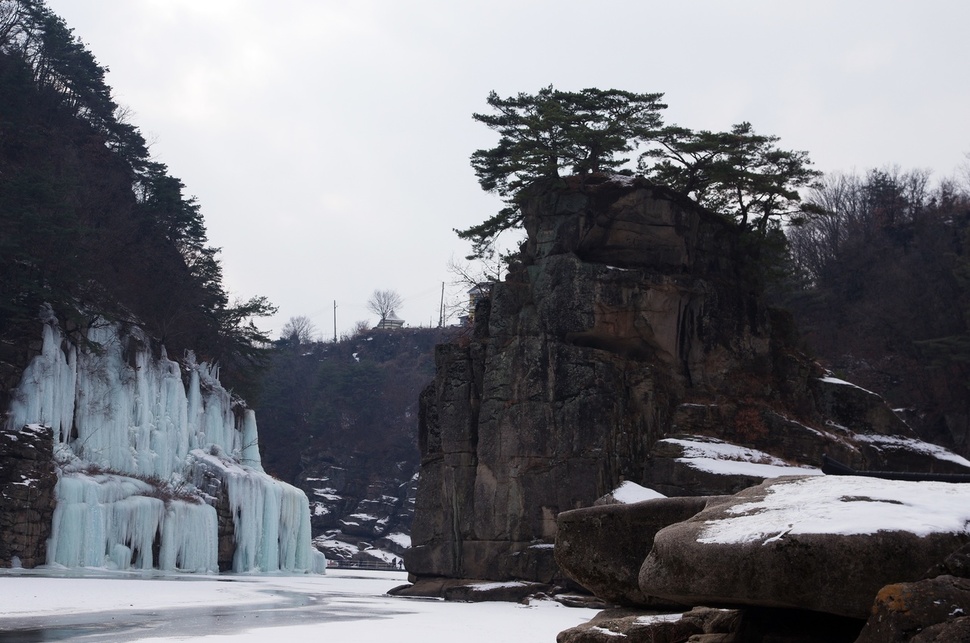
point(823, 543)
point(603, 547)
point(936, 609)
point(717, 626)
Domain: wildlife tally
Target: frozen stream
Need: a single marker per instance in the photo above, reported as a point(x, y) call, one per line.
point(344, 605)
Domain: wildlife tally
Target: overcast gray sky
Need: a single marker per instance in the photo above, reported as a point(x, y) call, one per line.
point(328, 141)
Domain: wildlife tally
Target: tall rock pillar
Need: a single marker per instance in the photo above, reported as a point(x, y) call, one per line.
point(571, 373)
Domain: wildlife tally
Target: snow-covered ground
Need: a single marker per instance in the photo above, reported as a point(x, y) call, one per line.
point(343, 605)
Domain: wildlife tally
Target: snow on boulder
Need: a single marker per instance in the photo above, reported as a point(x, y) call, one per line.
point(699, 465)
point(615, 625)
point(723, 458)
point(823, 543)
point(477, 592)
point(889, 444)
point(858, 409)
point(629, 492)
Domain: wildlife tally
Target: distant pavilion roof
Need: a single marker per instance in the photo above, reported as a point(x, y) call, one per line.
point(390, 321)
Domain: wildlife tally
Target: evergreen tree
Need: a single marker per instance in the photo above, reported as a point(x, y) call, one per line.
point(550, 133)
point(89, 224)
point(740, 174)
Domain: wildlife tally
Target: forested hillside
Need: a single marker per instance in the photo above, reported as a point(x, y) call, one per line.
point(882, 293)
point(89, 223)
point(340, 420)
point(355, 397)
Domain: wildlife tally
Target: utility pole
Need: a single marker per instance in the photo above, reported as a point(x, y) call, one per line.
point(334, 321)
point(441, 308)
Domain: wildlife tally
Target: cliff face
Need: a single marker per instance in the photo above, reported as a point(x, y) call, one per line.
point(633, 317)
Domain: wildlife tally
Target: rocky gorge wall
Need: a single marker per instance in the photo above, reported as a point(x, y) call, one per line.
point(631, 317)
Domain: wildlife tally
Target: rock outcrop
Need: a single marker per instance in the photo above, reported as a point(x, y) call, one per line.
point(362, 508)
point(602, 548)
point(27, 480)
point(822, 543)
point(718, 626)
point(632, 315)
point(935, 608)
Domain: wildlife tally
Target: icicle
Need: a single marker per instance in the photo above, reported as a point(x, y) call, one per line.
point(271, 518)
point(107, 521)
point(46, 392)
point(129, 415)
point(190, 538)
point(250, 442)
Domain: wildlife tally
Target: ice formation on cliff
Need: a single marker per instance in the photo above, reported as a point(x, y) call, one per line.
point(138, 451)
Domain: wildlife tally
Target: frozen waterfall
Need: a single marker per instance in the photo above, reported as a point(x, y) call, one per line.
point(145, 460)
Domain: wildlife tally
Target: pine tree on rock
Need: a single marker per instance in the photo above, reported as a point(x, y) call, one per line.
point(552, 133)
point(739, 174)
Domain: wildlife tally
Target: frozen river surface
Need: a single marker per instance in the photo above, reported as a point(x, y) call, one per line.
point(341, 606)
